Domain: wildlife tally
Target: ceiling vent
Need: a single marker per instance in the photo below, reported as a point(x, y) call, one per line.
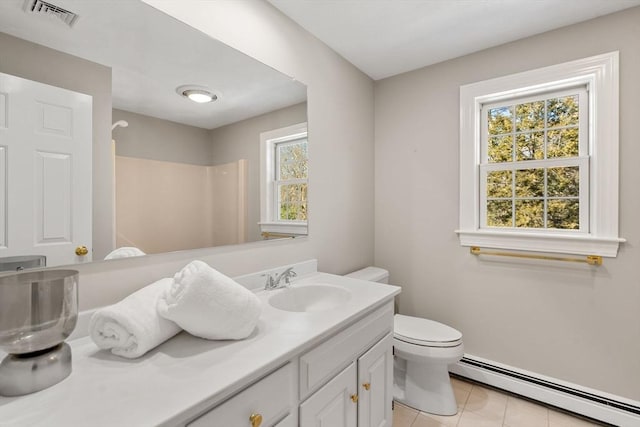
point(50, 10)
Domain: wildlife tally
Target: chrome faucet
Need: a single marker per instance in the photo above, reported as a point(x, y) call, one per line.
point(275, 283)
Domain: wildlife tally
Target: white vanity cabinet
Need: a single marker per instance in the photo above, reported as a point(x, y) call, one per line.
point(360, 394)
point(345, 381)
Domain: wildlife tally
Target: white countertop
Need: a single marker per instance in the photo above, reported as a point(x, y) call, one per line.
point(184, 375)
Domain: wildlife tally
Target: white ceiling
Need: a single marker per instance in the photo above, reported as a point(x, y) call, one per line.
point(388, 37)
point(151, 54)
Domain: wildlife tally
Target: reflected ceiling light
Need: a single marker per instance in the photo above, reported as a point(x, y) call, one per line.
point(199, 94)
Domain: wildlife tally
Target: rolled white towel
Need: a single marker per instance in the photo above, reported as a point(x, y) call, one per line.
point(124, 252)
point(208, 304)
point(133, 326)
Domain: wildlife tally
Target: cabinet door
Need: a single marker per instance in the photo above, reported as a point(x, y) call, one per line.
point(332, 405)
point(375, 385)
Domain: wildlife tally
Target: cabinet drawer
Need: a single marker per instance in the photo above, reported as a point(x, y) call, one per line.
point(272, 398)
point(327, 359)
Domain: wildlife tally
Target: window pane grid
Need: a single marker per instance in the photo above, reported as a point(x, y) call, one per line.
point(529, 200)
point(290, 182)
point(533, 165)
point(509, 199)
point(525, 130)
point(292, 202)
point(291, 159)
point(556, 128)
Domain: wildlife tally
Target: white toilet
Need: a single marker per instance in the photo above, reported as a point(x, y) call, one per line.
point(423, 351)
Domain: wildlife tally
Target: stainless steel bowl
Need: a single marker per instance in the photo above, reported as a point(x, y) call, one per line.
point(38, 310)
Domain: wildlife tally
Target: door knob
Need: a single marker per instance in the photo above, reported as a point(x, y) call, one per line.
point(366, 386)
point(82, 250)
point(255, 420)
point(354, 398)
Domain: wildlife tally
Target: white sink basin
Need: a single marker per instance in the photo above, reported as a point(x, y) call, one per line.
point(310, 298)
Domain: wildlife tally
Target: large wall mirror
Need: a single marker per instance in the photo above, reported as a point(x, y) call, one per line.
point(105, 151)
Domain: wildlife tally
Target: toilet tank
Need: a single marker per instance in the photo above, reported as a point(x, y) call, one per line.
point(372, 274)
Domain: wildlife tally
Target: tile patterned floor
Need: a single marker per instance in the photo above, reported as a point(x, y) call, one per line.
point(480, 406)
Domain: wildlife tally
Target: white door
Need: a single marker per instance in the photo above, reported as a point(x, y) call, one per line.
point(333, 405)
point(45, 171)
point(375, 385)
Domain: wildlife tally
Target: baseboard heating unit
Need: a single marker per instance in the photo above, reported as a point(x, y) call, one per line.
point(595, 404)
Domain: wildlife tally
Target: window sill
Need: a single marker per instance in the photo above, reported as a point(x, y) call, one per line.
point(298, 228)
point(554, 243)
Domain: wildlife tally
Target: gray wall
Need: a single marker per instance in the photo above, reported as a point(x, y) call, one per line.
point(242, 141)
point(24, 59)
point(156, 139)
point(572, 322)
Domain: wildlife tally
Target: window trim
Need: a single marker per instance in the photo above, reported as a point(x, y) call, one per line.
point(600, 75)
point(268, 197)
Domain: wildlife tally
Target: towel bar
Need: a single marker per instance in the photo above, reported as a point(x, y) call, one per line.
point(589, 259)
point(270, 235)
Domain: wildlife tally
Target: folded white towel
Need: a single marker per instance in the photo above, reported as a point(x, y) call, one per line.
point(208, 304)
point(124, 252)
point(133, 326)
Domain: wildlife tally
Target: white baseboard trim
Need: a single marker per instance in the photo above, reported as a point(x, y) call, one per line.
point(597, 405)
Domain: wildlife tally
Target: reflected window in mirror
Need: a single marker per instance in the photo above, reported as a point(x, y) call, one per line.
point(284, 181)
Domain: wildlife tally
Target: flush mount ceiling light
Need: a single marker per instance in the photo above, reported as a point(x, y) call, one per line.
point(199, 94)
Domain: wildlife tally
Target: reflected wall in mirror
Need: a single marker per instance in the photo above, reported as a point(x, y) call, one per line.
point(163, 173)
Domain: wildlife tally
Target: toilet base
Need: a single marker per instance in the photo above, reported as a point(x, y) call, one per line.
point(424, 386)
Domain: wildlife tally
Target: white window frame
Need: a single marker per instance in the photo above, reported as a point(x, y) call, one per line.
point(599, 74)
point(269, 220)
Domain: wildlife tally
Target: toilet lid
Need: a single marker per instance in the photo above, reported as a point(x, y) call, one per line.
point(429, 333)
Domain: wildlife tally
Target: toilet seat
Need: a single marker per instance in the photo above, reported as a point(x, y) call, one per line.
point(425, 332)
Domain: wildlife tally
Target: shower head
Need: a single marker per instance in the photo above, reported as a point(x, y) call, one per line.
point(122, 123)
